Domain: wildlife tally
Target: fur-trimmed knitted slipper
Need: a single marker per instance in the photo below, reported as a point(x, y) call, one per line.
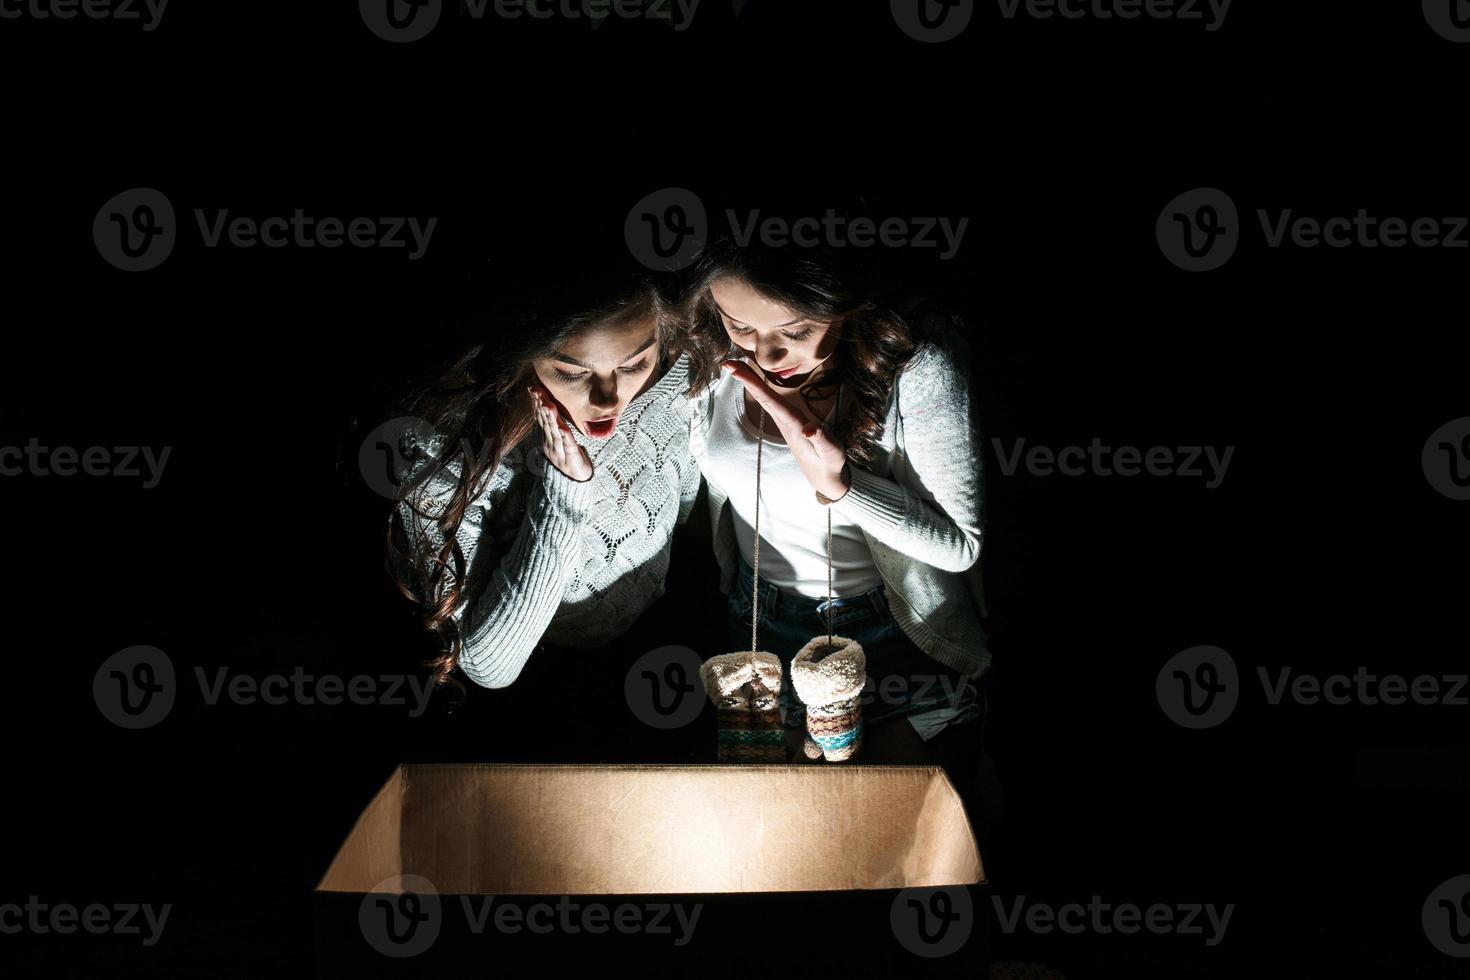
point(829, 681)
point(745, 689)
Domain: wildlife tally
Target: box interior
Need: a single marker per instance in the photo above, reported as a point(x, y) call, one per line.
point(626, 830)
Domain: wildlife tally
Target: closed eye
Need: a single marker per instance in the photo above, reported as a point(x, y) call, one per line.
point(742, 330)
point(570, 378)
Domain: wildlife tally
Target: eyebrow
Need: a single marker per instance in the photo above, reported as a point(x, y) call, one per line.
point(788, 323)
point(558, 356)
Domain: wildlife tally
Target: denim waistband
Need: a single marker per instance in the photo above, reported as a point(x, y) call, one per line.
point(773, 601)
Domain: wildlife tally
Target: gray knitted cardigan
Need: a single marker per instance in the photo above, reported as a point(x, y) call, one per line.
point(575, 562)
point(918, 503)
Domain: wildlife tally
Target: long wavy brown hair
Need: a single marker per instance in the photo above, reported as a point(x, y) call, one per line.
point(817, 284)
point(476, 410)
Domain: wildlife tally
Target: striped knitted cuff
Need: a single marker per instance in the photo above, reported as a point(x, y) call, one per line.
point(829, 680)
point(745, 689)
point(873, 501)
point(569, 499)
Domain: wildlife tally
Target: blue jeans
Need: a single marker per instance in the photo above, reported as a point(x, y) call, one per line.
point(903, 681)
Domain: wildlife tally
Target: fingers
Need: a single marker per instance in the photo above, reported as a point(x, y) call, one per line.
point(551, 428)
point(558, 444)
point(543, 418)
point(786, 415)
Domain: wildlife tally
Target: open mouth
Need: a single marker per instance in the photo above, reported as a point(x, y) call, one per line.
point(601, 428)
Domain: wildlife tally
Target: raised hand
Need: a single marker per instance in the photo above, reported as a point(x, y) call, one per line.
point(557, 443)
point(822, 461)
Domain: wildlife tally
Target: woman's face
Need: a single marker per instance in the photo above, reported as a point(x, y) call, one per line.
point(596, 374)
point(786, 347)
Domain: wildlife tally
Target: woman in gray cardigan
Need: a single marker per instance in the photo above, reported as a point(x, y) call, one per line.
point(861, 414)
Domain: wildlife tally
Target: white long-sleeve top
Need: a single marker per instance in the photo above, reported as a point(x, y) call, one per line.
point(918, 503)
point(573, 562)
point(792, 557)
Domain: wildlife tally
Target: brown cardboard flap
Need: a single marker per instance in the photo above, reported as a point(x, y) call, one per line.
point(589, 830)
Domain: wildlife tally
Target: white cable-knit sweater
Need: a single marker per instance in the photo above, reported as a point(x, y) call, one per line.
point(575, 562)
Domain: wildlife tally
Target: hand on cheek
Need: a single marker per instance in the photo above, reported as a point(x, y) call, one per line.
point(557, 444)
point(822, 461)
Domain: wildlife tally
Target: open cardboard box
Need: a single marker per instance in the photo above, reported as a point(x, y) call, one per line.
point(689, 870)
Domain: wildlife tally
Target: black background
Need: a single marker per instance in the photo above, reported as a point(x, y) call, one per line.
point(1325, 548)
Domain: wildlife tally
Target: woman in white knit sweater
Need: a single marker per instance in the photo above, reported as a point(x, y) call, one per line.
point(544, 478)
point(864, 413)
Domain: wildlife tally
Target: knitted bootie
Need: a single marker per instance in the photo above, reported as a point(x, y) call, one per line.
point(830, 685)
point(745, 689)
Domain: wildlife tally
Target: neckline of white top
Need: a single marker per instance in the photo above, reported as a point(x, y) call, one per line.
point(770, 437)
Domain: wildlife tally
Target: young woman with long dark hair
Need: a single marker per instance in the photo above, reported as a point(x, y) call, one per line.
point(542, 488)
point(861, 413)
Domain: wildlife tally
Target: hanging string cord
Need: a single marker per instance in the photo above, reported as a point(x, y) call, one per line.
point(755, 558)
point(829, 578)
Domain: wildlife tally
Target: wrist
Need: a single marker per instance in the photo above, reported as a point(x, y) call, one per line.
point(838, 488)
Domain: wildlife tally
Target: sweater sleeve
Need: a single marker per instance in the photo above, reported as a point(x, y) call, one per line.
point(507, 606)
point(931, 512)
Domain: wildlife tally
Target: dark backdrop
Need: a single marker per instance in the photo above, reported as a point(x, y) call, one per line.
point(1325, 548)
